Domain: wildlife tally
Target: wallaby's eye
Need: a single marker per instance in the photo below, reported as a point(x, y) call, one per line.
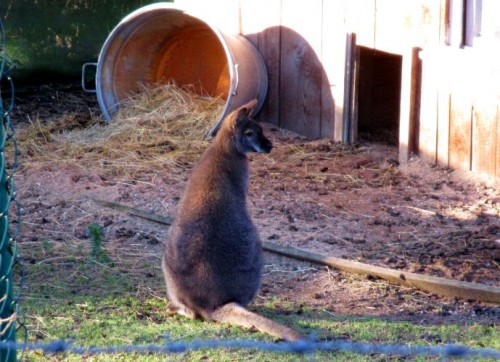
point(249, 133)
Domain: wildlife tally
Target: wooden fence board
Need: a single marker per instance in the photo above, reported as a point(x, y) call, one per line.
point(416, 23)
point(350, 80)
point(443, 132)
point(260, 23)
point(498, 145)
point(360, 19)
point(333, 61)
point(460, 147)
point(410, 102)
point(354, 126)
point(427, 130)
point(301, 70)
point(484, 138)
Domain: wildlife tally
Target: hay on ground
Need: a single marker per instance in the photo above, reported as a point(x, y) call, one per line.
point(161, 126)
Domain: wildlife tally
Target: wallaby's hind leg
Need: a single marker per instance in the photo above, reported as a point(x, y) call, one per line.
point(234, 313)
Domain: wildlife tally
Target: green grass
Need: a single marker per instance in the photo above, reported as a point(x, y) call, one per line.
point(71, 296)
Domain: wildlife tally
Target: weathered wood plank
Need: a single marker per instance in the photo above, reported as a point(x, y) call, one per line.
point(443, 140)
point(349, 81)
point(460, 148)
point(332, 58)
point(484, 138)
point(498, 145)
point(260, 23)
point(427, 130)
point(301, 69)
point(354, 124)
point(443, 21)
point(402, 23)
point(360, 19)
point(432, 284)
point(455, 23)
point(411, 74)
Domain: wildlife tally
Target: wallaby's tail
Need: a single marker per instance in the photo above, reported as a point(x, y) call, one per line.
point(234, 313)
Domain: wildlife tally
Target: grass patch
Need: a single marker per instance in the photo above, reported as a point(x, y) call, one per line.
point(129, 321)
point(95, 304)
point(96, 236)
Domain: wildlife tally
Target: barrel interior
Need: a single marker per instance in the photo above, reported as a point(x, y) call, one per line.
point(168, 47)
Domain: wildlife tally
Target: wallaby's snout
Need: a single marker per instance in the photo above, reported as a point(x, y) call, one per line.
point(267, 145)
point(261, 143)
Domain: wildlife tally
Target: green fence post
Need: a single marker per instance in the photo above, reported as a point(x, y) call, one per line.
point(7, 313)
point(7, 250)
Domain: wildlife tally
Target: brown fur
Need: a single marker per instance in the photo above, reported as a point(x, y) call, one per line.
point(213, 257)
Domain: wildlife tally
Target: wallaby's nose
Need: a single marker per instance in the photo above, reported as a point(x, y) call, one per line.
point(268, 146)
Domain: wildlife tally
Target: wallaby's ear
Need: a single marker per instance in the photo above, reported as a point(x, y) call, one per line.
point(245, 111)
point(238, 115)
point(247, 108)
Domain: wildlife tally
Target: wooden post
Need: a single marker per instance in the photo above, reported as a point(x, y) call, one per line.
point(349, 87)
point(410, 100)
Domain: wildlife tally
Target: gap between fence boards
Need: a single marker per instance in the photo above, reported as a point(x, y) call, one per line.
point(437, 285)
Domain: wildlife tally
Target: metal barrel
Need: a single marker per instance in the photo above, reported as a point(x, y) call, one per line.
point(159, 43)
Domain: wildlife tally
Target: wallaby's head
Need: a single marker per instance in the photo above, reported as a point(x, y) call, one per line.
point(246, 132)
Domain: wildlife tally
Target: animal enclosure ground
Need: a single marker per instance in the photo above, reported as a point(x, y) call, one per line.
point(353, 202)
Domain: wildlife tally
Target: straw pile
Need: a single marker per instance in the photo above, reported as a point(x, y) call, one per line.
point(161, 126)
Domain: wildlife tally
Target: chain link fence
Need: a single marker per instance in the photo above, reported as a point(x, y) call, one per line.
point(9, 259)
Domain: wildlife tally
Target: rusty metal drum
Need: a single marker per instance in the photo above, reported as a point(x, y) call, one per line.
point(159, 43)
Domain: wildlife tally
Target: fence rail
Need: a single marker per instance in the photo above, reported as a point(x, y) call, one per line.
point(299, 347)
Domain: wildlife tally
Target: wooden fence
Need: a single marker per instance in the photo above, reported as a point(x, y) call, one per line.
point(459, 123)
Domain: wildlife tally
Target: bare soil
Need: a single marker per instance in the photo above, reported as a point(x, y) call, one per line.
point(354, 202)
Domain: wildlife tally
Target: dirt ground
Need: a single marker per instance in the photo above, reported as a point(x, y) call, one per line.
point(353, 202)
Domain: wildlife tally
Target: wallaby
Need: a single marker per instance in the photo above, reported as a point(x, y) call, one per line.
point(213, 256)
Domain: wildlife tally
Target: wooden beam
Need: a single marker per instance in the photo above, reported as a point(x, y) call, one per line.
point(436, 285)
point(349, 86)
point(410, 100)
point(354, 124)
